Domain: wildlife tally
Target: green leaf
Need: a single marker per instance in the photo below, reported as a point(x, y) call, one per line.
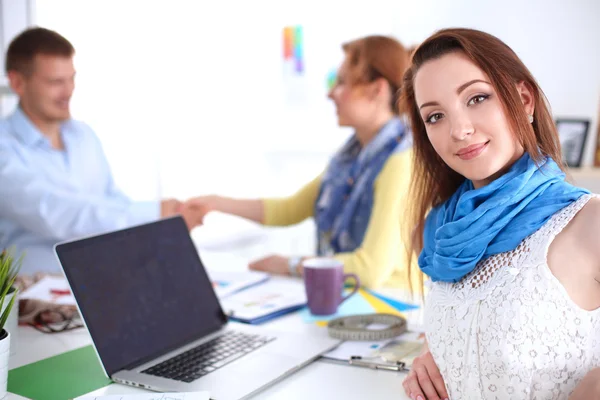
point(9, 269)
point(6, 312)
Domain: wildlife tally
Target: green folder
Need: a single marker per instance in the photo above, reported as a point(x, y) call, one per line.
point(61, 377)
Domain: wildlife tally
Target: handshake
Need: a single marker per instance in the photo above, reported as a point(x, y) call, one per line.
point(192, 210)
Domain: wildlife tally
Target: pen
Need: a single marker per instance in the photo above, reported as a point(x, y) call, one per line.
point(358, 361)
point(60, 292)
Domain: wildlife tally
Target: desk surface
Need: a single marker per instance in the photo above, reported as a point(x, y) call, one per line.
point(319, 380)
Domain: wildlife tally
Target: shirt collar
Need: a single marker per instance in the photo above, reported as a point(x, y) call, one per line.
point(26, 131)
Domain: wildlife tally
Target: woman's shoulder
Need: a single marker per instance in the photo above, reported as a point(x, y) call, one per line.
point(396, 166)
point(583, 224)
point(399, 159)
point(586, 222)
point(395, 174)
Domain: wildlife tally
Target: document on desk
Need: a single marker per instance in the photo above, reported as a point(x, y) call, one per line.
point(265, 301)
point(227, 283)
point(50, 289)
point(403, 349)
point(152, 396)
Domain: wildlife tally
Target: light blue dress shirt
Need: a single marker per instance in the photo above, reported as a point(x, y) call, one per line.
point(49, 195)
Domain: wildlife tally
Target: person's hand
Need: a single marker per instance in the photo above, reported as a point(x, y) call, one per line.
point(193, 214)
point(588, 387)
point(273, 264)
point(169, 207)
point(424, 381)
point(202, 205)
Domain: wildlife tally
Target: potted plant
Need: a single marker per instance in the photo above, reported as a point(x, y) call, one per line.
point(9, 268)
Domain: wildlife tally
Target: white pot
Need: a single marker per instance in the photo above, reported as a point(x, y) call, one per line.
point(12, 323)
point(4, 356)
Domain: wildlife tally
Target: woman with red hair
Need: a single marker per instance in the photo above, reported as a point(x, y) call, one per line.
point(511, 248)
point(359, 200)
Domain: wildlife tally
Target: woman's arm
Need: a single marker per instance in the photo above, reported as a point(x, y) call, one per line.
point(251, 209)
point(286, 211)
point(589, 387)
point(276, 211)
point(581, 238)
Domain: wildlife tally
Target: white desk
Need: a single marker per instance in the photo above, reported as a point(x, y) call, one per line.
point(319, 380)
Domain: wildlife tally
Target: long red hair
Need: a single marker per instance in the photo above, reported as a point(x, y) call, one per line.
point(373, 57)
point(433, 182)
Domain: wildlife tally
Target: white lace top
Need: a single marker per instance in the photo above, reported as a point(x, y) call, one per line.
point(509, 330)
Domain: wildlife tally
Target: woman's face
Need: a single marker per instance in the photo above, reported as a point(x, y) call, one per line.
point(355, 103)
point(464, 118)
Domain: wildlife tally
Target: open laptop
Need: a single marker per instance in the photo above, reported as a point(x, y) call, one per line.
point(156, 322)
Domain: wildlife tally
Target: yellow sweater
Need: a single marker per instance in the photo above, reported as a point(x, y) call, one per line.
point(381, 258)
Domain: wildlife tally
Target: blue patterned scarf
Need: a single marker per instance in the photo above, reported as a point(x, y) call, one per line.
point(343, 207)
point(477, 223)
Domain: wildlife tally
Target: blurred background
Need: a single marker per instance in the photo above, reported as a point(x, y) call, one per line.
point(197, 97)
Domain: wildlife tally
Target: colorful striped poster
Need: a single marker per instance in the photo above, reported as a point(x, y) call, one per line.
point(293, 49)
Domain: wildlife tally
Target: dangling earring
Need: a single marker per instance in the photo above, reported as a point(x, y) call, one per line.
point(530, 118)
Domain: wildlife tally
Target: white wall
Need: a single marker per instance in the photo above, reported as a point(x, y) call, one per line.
point(15, 15)
point(195, 91)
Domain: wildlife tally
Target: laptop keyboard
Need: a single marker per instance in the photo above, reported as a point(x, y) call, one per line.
point(208, 357)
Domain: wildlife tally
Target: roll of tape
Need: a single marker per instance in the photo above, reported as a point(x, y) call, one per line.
point(355, 327)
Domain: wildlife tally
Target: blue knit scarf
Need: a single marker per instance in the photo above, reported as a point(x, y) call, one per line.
point(475, 224)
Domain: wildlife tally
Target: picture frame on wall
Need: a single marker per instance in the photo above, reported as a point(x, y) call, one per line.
point(597, 155)
point(573, 134)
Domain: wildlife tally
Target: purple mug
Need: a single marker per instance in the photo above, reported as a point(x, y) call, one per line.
point(324, 283)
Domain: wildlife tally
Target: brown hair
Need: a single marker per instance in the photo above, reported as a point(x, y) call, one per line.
point(374, 57)
point(411, 51)
point(433, 182)
point(31, 42)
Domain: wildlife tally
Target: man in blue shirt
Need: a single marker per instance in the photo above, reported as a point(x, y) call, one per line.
point(55, 181)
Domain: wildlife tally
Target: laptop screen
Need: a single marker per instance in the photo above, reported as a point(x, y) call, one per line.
point(142, 291)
